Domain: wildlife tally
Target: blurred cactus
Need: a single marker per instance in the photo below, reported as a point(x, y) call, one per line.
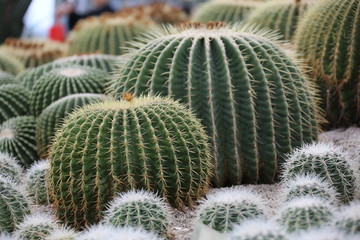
point(35, 182)
point(9, 167)
point(6, 78)
point(325, 233)
point(347, 218)
point(10, 64)
point(62, 234)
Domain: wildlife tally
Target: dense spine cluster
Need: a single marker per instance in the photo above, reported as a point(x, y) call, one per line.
point(36, 184)
point(348, 218)
point(9, 167)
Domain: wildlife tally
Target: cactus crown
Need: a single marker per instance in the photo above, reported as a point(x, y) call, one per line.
point(9, 166)
point(62, 233)
point(36, 184)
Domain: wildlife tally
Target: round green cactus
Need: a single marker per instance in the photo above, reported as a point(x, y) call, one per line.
point(139, 209)
point(327, 38)
point(14, 204)
point(14, 101)
point(17, 137)
point(347, 219)
point(252, 98)
point(9, 167)
point(148, 143)
point(35, 182)
point(62, 233)
point(6, 78)
point(226, 208)
point(304, 213)
point(10, 64)
point(53, 116)
point(65, 81)
point(328, 162)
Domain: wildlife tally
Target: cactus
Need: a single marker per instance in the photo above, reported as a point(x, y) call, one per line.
point(308, 185)
point(327, 38)
point(65, 81)
point(225, 208)
point(325, 233)
point(14, 204)
point(36, 184)
point(229, 11)
point(14, 101)
point(53, 116)
point(305, 213)
point(10, 64)
point(62, 234)
point(148, 143)
point(36, 227)
point(9, 167)
point(107, 34)
point(280, 15)
point(17, 137)
point(254, 110)
point(257, 229)
point(326, 160)
point(347, 219)
point(6, 78)
point(7, 236)
point(139, 209)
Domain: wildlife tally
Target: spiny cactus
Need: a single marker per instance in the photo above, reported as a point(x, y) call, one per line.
point(148, 143)
point(65, 81)
point(280, 15)
point(10, 64)
point(9, 167)
point(347, 218)
point(7, 236)
point(14, 204)
point(327, 38)
point(325, 233)
point(36, 227)
point(252, 98)
point(139, 209)
point(6, 78)
point(257, 229)
point(326, 160)
point(17, 137)
point(226, 208)
point(305, 213)
point(62, 233)
point(14, 101)
point(53, 116)
point(35, 182)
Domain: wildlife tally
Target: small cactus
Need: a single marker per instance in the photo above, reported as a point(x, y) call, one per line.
point(62, 233)
point(305, 213)
point(35, 181)
point(328, 162)
point(10, 64)
point(347, 218)
point(6, 78)
point(9, 167)
point(226, 208)
point(139, 209)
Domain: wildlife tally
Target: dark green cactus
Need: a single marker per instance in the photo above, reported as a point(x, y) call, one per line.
point(53, 116)
point(148, 143)
point(6, 78)
point(17, 137)
point(36, 184)
point(10, 64)
point(252, 98)
point(9, 167)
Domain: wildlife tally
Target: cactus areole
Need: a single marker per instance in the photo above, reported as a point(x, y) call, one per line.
point(252, 98)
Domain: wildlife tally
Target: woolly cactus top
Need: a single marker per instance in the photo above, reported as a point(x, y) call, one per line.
point(254, 227)
point(306, 202)
point(8, 182)
point(325, 233)
point(37, 219)
point(41, 165)
point(351, 211)
point(62, 234)
point(9, 166)
point(138, 196)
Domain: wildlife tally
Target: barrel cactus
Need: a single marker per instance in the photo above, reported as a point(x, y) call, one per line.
point(10, 64)
point(65, 81)
point(9, 167)
point(139, 209)
point(14, 205)
point(348, 218)
point(148, 143)
point(6, 78)
point(17, 137)
point(14, 101)
point(329, 162)
point(53, 116)
point(226, 208)
point(252, 98)
point(35, 182)
point(62, 233)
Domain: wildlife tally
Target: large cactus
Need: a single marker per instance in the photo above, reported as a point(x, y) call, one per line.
point(249, 94)
point(327, 38)
point(146, 143)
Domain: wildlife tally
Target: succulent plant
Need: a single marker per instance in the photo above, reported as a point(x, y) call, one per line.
point(139, 209)
point(213, 69)
point(325, 233)
point(36, 184)
point(9, 167)
point(62, 233)
point(53, 116)
point(304, 213)
point(14, 204)
point(328, 162)
point(226, 208)
point(17, 137)
point(6, 236)
point(65, 81)
point(14, 101)
point(10, 64)
point(148, 143)
point(347, 219)
point(6, 78)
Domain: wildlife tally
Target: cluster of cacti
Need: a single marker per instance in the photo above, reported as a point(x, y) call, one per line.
point(347, 219)
point(53, 116)
point(328, 39)
point(9, 167)
point(17, 137)
point(6, 78)
point(35, 182)
point(253, 99)
point(149, 143)
point(61, 82)
point(10, 64)
point(328, 162)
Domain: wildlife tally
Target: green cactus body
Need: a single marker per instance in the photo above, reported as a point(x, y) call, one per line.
point(10, 64)
point(254, 110)
point(14, 101)
point(139, 209)
point(280, 15)
point(36, 184)
point(6, 78)
point(9, 167)
point(328, 162)
point(65, 81)
point(13, 204)
point(347, 219)
point(53, 116)
point(17, 137)
point(148, 143)
point(224, 209)
point(328, 39)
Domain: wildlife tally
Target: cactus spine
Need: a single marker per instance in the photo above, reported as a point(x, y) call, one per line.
point(62, 234)
point(9, 167)
point(36, 184)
